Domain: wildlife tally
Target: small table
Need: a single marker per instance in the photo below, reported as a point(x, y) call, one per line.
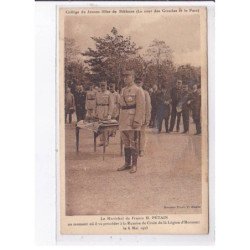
point(97, 129)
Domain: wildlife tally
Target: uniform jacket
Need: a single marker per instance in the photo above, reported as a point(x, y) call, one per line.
point(115, 97)
point(104, 105)
point(90, 100)
point(69, 102)
point(148, 107)
point(130, 96)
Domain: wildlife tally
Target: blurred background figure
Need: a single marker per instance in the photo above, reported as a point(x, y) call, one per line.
point(175, 97)
point(115, 95)
point(90, 104)
point(104, 108)
point(153, 105)
point(146, 122)
point(196, 107)
point(80, 99)
point(184, 105)
point(69, 104)
point(163, 108)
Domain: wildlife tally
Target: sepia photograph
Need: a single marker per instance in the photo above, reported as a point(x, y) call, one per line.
point(133, 120)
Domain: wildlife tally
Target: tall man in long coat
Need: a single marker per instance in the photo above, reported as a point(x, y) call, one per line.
point(196, 107)
point(175, 96)
point(132, 114)
point(184, 106)
point(80, 99)
point(163, 108)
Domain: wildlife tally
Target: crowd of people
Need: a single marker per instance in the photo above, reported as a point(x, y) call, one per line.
point(135, 108)
point(171, 105)
point(182, 101)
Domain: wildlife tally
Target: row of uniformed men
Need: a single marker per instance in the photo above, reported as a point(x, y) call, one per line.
point(132, 106)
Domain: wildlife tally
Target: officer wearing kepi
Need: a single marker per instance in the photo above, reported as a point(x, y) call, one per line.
point(132, 114)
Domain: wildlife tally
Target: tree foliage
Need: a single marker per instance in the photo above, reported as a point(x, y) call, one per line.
point(75, 70)
point(110, 55)
point(113, 52)
point(189, 74)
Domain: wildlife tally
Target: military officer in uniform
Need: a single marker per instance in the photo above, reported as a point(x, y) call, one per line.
point(104, 107)
point(147, 117)
point(131, 118)
point(115, 96)
point(90, 104)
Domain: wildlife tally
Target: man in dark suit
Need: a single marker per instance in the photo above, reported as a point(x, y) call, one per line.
point(175, 96)
point(183, 105)
point(154, 106)
point(163, 108)
point(196, 107)
point(80, 98)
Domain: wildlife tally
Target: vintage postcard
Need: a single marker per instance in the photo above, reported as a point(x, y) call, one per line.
point(133, 120)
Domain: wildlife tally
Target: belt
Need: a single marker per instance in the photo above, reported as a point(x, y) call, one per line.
point(129, 107)
point(91, 99)
point(102, 104)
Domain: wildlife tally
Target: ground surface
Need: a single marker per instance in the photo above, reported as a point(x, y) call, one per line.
point(168, 179)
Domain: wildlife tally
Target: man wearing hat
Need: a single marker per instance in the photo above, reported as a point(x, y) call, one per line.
point(139, 83)
point(90, 105)
point(104, 107)
point(132, 114)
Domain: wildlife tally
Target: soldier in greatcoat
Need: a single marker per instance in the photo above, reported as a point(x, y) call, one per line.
point(131, 119)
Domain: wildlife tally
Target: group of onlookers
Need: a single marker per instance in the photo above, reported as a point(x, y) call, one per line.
point(181, 101)
point(168, 105)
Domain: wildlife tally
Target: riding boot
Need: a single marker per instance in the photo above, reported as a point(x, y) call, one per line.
point(127, 165)
point(134, 154)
